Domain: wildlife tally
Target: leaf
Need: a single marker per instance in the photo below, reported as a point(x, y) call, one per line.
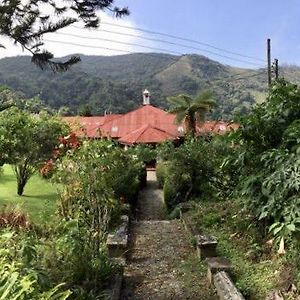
point(277, 230)
point(291, 227)
point(274, 225)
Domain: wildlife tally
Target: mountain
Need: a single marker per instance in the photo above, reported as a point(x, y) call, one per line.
point(115, 83)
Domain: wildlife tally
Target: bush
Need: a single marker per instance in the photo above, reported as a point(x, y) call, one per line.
point(267, 157)
point(95, 180)
point(161, 173)
point(13, 217)
point(190, 172)
point(145, 154)
point(21, 275)
point(70, 245)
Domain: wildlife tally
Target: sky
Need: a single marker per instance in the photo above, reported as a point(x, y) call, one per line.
point(239, 26)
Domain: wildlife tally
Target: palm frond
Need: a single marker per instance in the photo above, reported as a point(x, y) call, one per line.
point(205, 95)
point(181, 99)
point(177, 109)
point(180, 116)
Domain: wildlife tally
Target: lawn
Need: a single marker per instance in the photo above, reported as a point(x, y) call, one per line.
point(39, 199)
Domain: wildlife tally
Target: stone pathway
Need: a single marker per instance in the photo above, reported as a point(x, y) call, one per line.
point(162, 264)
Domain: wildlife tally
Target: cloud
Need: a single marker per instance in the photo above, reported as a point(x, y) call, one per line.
point(106, 40)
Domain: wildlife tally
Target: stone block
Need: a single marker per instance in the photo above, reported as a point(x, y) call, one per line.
point(117, 245)
point(206, 246)
point(117, 242)
point(217, 264)
point(225, 287)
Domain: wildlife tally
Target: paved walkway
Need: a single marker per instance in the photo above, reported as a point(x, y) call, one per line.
point(162, 263)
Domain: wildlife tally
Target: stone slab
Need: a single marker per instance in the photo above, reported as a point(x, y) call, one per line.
point(225, 287)
point(217, 264)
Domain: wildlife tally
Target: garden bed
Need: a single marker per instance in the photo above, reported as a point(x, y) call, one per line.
point(257, 271)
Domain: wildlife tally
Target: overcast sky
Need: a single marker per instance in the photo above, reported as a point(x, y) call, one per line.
point(240, 26)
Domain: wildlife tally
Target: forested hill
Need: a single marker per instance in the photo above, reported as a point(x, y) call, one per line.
point(116, 82)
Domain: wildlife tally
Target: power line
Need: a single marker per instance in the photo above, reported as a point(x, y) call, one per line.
point(233, 77)
point(118, 42)
point(87, 46)
point(158, 49)
point(170, 57)
point(183, 39)
point(130, 52)
point(250, 76)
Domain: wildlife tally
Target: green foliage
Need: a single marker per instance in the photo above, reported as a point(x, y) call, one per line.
point(190, 110)
point(161, 173)
point(26, 23)
point(211, 219)
point(144, 153)
point(95, 180)
point(190, 172)
point(20, 276)
point(84, 110)
point(267, 159)
point(71, 245)
point(39, 203)
point(255, 271)
point(114, 83)
point(27, 141)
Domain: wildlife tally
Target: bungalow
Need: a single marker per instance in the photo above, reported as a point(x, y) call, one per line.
point(144, 125)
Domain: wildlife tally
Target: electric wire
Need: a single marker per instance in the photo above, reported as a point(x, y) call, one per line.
point(159, 49)
point(183, 39)
point(130, 52)
point(118, 42)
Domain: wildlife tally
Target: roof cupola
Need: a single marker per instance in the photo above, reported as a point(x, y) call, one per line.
point(146, 97)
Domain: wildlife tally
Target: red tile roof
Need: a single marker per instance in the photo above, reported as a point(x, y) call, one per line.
point(217, 127)
point(144, 115)
point(89, 126)
point(147, 124)
point(147, 134)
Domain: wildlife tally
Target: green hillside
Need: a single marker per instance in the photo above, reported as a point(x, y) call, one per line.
point(115, 83)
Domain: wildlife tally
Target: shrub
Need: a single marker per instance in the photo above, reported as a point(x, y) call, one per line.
point(95, 180)
point(161, 173)
point(13, 217)
point(145, 154)
point(21, 276)
point(190, 172)
point(71, 245)
point(267, 150)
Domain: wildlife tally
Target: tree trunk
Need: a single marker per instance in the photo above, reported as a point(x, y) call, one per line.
point(190, 124)
point(23, 173)
point(21, 185)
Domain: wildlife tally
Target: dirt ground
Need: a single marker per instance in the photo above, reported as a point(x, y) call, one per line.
point(162, 263)
point(151, 204)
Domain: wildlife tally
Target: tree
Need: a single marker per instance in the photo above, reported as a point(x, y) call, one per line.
point(7, 97)
point(26, 22)
point(84, 110)
point(190, 110)
point(27, 141)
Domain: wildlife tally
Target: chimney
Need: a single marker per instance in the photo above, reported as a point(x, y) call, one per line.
point(146, 97)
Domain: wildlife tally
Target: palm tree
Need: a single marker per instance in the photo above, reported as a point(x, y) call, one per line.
point(191, 110)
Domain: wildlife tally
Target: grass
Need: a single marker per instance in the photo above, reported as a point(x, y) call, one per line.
point(39, 199)
point(192, 272)
point(257, 270)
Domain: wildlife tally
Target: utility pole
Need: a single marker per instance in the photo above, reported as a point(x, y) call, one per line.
point(269, 61)
point(276, 69)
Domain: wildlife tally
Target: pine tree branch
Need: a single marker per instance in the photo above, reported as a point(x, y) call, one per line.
point(24, 23)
